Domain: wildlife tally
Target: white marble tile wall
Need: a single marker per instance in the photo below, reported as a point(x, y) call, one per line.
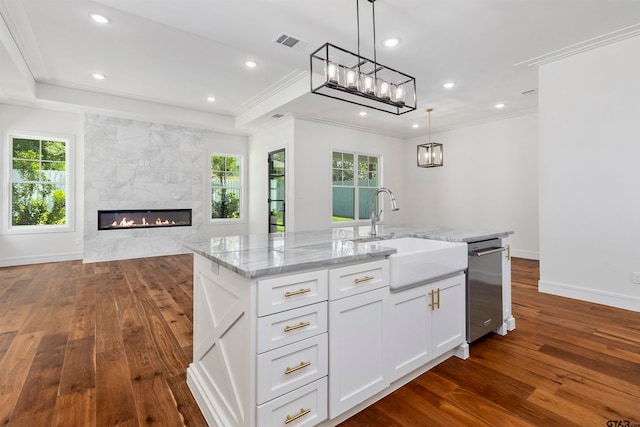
point(139, 165)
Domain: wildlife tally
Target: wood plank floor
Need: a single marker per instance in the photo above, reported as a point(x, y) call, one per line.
point(108, 344)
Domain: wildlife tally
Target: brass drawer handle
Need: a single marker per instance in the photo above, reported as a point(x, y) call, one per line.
point(302, 365)
point(302, 413)
point(364, 279)
point(434, 304)
point(294, 293)
point(509, 252)
point(294, 327)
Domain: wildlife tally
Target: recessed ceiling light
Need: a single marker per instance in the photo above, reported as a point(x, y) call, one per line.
point(99, 18)
point(500, 105)
point(251, 64)
point(363, 113)
point(415, 125)
point(391, 42)
point(210, 98)
point(448, 85)
point(99, 76)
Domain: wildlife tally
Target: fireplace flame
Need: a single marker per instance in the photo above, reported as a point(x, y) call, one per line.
point(131, 223)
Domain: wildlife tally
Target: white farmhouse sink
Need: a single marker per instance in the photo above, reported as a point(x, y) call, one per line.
point(422, 260)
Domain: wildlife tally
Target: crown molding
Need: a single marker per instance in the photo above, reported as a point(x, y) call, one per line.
point(15, 16)
point(351, 126)
point(273, 91)
point(576, 48)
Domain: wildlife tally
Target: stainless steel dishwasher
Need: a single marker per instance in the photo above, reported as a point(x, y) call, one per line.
point(484, 288)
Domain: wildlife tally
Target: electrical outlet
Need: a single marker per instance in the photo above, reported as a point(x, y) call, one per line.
point(636, 277)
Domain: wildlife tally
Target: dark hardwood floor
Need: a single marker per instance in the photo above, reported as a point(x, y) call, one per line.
point(108, 344)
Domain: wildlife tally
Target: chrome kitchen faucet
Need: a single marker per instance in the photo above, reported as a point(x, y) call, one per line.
point(376, 217)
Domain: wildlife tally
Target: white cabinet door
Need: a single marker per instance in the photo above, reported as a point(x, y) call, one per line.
point(426, 321)
point(358, 359)
point(448, 315)
point(410, 337)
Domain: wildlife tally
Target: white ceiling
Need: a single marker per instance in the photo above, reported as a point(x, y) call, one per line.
point(179, 52)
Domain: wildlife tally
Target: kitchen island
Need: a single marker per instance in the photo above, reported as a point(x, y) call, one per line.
point(302, 328)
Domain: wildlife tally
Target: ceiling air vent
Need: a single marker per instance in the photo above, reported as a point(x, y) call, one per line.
point(289, 41)
point(529, 92)
point(277, 116)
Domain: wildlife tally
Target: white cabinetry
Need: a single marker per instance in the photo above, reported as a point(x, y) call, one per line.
point(509, 321)
point(312, 347)
point(260, 351)
point(427, 321)
point(358, 320)
point(292, 353)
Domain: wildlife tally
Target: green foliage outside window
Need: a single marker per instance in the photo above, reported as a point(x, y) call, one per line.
point(225, 187)
point(38, 182)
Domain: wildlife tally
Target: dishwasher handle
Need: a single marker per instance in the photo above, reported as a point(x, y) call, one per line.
point(487, 251)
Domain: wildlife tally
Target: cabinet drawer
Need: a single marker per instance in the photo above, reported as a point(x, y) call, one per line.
point(286, 368)
point(354, 279)
point(287, 292)
point(290, 326)
point(306, 406)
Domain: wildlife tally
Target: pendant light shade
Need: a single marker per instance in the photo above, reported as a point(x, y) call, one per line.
point(431, 154)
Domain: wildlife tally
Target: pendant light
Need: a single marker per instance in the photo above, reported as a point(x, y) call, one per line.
point(431, 154)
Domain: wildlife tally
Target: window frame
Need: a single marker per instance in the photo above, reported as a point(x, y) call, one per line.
point(241, 175)
point(356, 185)
point(7, 181)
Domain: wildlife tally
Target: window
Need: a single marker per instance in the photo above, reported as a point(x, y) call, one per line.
point(355, 180)
point(226, 187)
point(40, 184)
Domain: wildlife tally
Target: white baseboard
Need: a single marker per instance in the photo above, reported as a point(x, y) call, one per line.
point(134, 256)
point(39, 259)
point(519, 253)
point(626, 302)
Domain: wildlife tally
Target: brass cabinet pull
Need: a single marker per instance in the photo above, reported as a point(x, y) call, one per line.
point(300, 414)
point(509, 252)
point(434, 304)
point(294, 293)
point(302, 365)
point(294, 327)
point(364, 279)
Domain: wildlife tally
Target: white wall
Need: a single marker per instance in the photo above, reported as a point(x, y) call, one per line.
point(589, 175)
point(16, 249)
point(314, 144)
point(488, 181)
point(217, 143)
point(308, 171)
point(275, 138)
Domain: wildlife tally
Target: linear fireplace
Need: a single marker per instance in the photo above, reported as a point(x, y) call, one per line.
point(143, 218)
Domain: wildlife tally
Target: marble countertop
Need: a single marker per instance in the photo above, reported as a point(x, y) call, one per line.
point(256, 255)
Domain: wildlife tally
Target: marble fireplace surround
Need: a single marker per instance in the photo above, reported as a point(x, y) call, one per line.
point(135, 165)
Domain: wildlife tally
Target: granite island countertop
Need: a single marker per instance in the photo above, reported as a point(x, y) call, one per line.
point(256, 255)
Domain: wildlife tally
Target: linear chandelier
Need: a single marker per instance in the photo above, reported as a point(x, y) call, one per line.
point(340, 74)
